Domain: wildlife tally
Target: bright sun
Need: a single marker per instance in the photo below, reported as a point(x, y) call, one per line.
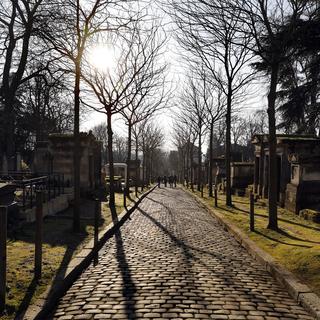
point(103, 58)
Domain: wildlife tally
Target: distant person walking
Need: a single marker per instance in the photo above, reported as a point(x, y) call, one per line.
point(171, 181)
point(159, 181)
point(175, 181)
point(165, 181)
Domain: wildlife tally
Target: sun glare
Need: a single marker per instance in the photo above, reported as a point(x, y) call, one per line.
point(103, 58)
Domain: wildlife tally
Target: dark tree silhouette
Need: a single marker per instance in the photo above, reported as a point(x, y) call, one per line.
point(19, 24)
point(71, 27)
point(272, 25)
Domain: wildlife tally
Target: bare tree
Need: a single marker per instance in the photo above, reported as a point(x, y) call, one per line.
point(151, 140)
point(181, 138)
point(193, 105)
point(150, 94)
point(137, 133)
point(19, 23)
point(44, 103)
point(100, 131)
point(238, 129)
point(215, 110)
point(117, 90)
point(74, 25)
point(272, 25)
point(211, 34)
point(160, 164)
point(119, 148)
point(187, 135)
point(244, 128)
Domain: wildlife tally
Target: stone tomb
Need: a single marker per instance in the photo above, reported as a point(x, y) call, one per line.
point(135, 172)
point(219, 170)
point(303, 190)
point(56, 155)
point(298, 170)
point(241, 175)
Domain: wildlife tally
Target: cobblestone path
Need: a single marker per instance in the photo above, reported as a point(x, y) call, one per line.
point(172, 260)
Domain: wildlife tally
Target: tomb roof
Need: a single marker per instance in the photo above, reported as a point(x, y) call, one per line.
point(283, 138)
point(242, 163)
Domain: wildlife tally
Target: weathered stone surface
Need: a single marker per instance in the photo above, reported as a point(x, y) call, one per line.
point(311, 300)
point(173, 260)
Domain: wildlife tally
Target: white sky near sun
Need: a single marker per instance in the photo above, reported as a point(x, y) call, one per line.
point(105, 58)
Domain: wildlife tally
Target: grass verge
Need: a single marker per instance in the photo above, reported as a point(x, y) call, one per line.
point(296, 245)
point(60, 245)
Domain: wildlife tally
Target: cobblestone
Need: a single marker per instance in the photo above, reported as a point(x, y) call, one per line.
point(173, 260)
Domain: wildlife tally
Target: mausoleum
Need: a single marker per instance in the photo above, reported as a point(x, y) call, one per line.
point(56, 155)
point(298, 170)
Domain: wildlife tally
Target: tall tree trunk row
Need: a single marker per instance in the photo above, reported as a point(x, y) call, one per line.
point(210, 178)
point(127, 188)
point(228, 148)
point(111, 166)
point(199, 162)
point(76, 151)
point(273, 219)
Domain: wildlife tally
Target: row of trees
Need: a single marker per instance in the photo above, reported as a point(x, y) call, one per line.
point(46, 72)
point(147, 139)
point(237, 41)
point(135, 89)
point(200, 121)
point(33, 92)
point(44, 49)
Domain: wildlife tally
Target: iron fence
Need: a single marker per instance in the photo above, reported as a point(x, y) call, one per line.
point(27, 184)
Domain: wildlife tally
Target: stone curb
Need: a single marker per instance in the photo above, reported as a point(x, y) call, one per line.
point(298, 290)
point(45, 304)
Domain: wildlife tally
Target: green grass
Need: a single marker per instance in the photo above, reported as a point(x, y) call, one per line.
point(296, 246)
point(60, 245)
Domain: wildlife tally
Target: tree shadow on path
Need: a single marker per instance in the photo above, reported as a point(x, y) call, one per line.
point(129, 289)
point(190, 258)
point(193, 255)
point(57, 232)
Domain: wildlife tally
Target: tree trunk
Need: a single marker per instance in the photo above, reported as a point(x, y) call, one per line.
point(127, 188)
point(191, 167)
point(151, 168)
point(210, 178)
point(76, 151)
point(137, 170)
point(111, 167)
point(8, 140)
point(187, 164)
point(9, 134)
point(314, 75)
point(273, 218)
point(143, 164)
point(199, 162)
point(143, 171)
point(228, 148)
point(147, 164)
point(11, 81)
point(183, 173)
point(186, 177)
